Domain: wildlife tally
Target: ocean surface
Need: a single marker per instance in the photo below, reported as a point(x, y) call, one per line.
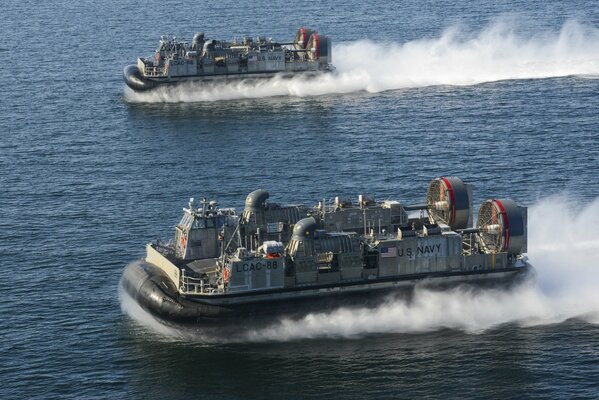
point(504, 94)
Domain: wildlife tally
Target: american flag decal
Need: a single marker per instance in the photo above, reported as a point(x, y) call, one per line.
point(388, 252)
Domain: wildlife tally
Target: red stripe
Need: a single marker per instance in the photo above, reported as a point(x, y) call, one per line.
point(506, 224)
point(304, 39)
point(451, 198)
point(317, 43)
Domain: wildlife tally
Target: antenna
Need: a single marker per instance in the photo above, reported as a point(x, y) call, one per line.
point(204, 202)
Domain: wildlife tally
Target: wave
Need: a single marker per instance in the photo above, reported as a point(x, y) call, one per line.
point(457, 57)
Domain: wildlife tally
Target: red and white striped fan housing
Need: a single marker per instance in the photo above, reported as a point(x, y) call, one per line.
point(502, 226)
point(448, 202)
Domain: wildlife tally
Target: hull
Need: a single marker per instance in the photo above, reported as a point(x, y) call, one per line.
point(155, 292)
point(136, 81)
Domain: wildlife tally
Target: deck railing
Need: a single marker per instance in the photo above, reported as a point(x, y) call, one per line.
point(193, 285)
point(154, 71)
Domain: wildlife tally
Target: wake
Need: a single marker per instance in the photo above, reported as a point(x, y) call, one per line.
point(563, 244)
point(455, 58)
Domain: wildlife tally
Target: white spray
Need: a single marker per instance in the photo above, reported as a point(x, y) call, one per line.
point(563, 243)
point(456, 58)
point(563, 247)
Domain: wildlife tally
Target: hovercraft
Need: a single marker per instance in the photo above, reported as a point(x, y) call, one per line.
point(207, 60)
point(290, 260)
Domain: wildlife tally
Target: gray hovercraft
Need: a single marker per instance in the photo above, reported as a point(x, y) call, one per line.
point(207, 60)
point(291, 259)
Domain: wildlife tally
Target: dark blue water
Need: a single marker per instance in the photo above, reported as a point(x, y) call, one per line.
point(503, 94)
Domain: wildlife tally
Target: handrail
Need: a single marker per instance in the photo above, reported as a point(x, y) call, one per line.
point(193, 285)
point(154, 71)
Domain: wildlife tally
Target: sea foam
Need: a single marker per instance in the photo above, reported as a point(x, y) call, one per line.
point(457, 57)
point(563, 244)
